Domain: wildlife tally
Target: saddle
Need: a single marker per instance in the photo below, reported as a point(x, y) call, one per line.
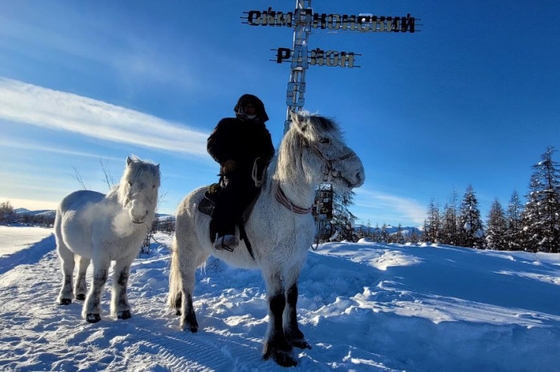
point(208, 203)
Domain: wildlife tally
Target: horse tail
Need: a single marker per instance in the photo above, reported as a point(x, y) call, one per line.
point(175, 287)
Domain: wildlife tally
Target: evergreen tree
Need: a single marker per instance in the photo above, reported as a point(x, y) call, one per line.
point(449, 223)
point(514, 231)
point(496, 230)
point(414, 237)
point(369, 233)
point(384, 236)
point(343, 219)
point(398, 237)
point(360, 232)
point(471, 233)
point(432, 223)
point(541, 217)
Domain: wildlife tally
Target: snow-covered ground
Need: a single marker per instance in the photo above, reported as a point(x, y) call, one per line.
point(363, 307)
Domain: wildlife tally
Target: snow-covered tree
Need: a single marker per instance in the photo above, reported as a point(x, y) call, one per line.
point(471, 232)
point(432, 223)
point(514, 231)
point(384, 235)
point(449, 223)
point(343, 220)
point(496, 227)
point(541, 217)
point(398, 236)
point(414, 237)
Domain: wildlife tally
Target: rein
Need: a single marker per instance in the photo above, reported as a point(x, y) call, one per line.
point(283, 199)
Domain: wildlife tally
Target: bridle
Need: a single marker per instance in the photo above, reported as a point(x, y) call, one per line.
point(328, 163)
point(327, 173)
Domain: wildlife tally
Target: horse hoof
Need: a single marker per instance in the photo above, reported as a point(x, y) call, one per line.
point(301, 344)
point(65, 301)
point(282, 358)
point(193, 328)
point(125, 314)
point(93, 318)
point(80, 297)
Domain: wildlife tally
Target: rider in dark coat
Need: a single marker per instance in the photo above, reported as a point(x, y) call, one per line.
point(243, 148)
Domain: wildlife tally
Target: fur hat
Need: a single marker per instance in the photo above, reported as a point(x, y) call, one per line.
point(256, 102)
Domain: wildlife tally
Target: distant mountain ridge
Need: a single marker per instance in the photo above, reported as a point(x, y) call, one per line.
point(406, 230)
point(52, 212)
point(47, 212)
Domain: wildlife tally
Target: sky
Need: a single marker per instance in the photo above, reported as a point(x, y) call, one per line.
point(471, 99)
point(362, 306)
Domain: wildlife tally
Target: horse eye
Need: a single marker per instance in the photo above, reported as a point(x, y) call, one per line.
point(153, 186)
point(130, 184)
point(325, 140)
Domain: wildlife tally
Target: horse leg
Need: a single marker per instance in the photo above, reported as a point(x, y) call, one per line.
point(188, 316)
point(276, 345)
point(92, 306)
point(181, 288)
point(291, 327)
point(67, 265)
point(187, 272)
point(80, 286)
point(184, 261)
point(119, 299)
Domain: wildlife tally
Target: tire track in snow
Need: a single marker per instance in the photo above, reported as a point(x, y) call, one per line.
point(180, 351)
point(150, 341)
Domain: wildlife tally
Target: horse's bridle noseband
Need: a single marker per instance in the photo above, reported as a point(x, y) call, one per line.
point(329, 163)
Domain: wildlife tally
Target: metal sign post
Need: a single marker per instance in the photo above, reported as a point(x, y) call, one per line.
point(295, 92)
point(303, 20)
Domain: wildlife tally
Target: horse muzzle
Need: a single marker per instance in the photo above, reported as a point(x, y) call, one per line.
point(351, 178)
point(138, 219)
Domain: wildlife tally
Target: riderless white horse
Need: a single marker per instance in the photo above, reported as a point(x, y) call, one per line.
point(91, 226)
point(280, 228)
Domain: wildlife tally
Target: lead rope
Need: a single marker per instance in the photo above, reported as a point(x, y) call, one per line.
point(255, 174)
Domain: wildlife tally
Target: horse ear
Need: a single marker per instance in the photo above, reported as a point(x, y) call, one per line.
point(128, 160)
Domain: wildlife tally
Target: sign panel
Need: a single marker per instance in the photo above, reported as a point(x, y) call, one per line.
point(318, 57)
point(334, 22)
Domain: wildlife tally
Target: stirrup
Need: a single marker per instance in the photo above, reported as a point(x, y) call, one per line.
point(226, 242)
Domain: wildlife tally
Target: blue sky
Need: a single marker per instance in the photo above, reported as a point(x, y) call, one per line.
point(474, 98)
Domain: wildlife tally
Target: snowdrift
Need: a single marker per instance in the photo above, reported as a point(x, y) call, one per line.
point(363, 306)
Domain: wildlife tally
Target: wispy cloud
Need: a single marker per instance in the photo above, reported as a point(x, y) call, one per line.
point(38, 147)
point(391, 207)
point(30, 104)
